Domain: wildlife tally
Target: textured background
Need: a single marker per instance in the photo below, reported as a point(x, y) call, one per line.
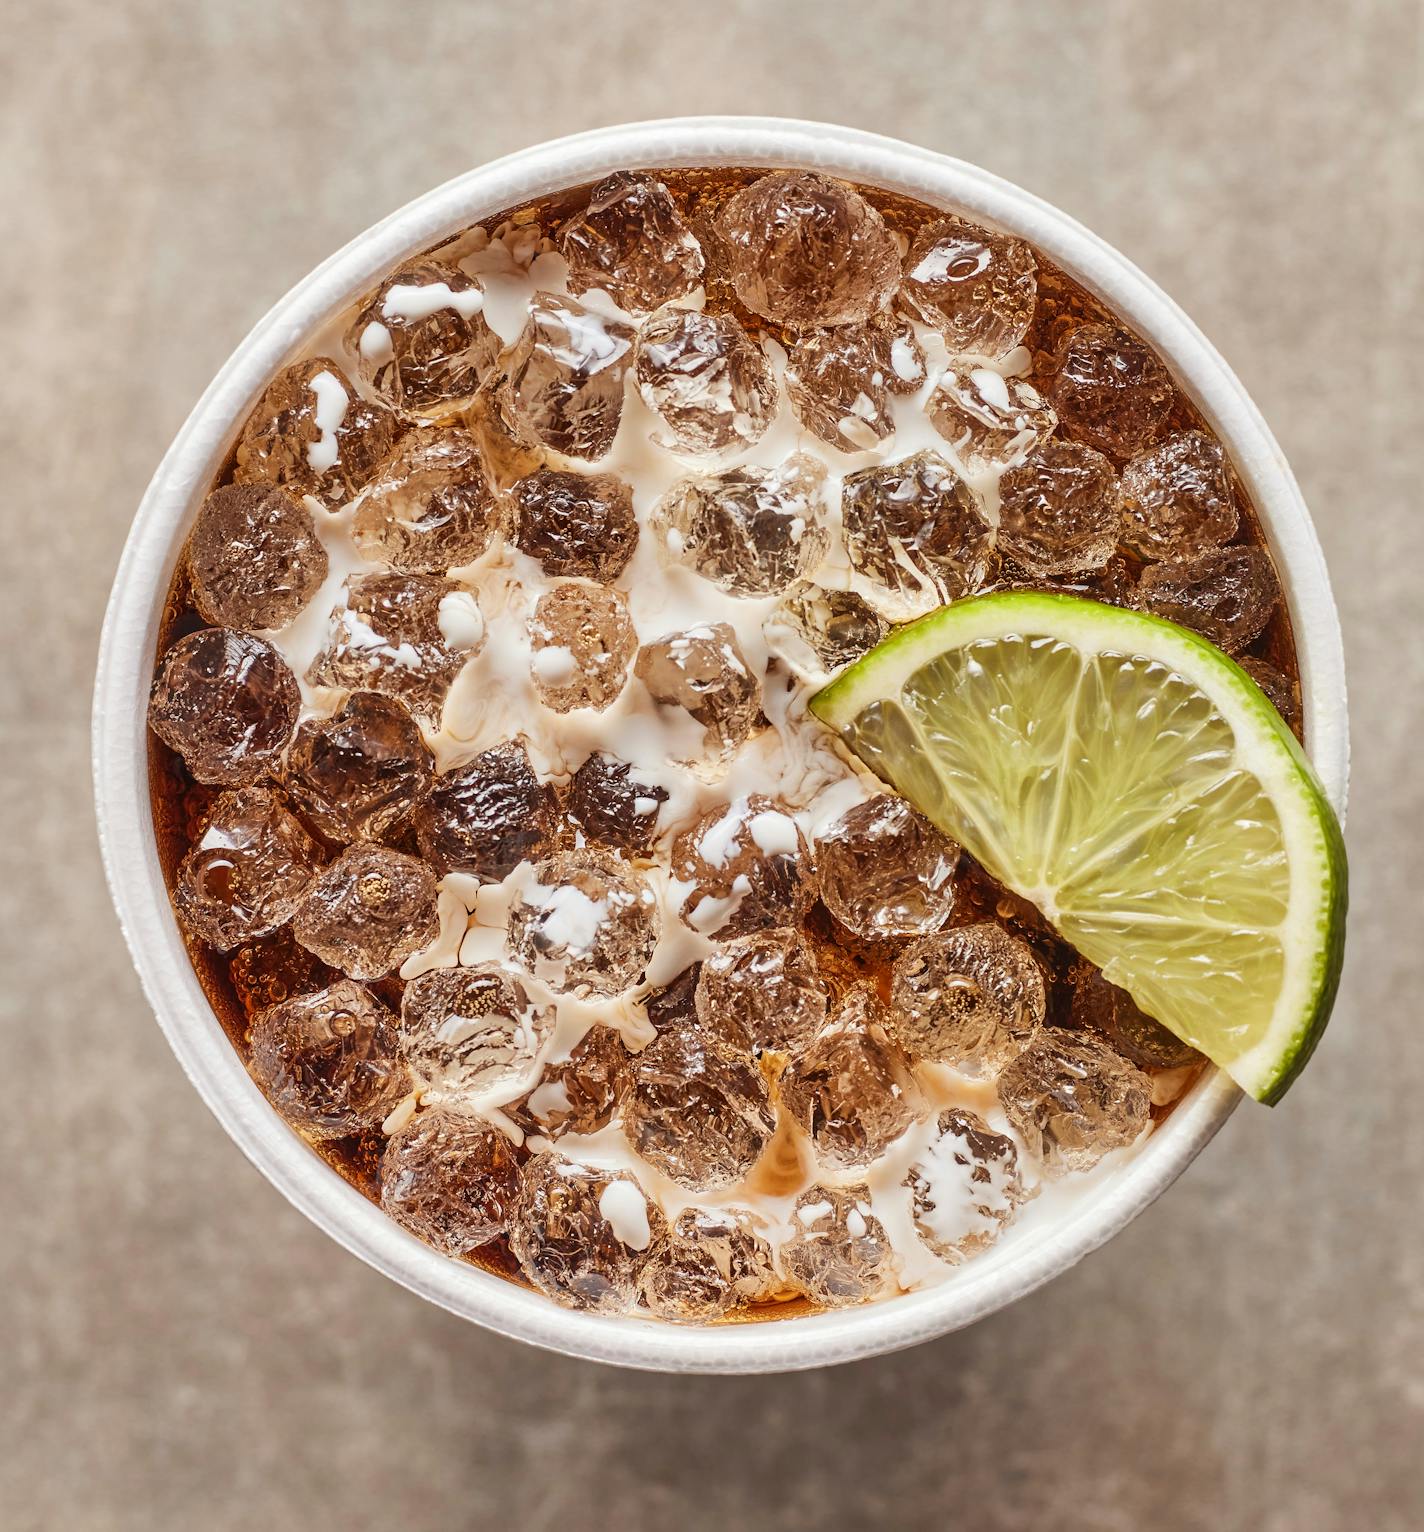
point(177, 1346)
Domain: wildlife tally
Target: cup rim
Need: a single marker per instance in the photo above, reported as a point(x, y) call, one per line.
point(129, 637)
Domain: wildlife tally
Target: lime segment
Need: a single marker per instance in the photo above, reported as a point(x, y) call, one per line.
point(1134, 783)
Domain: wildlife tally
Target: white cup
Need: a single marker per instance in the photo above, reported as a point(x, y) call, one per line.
point(127, 656)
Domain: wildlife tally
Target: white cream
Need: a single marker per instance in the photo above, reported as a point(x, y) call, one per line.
point(332, 402)
point(411, 301)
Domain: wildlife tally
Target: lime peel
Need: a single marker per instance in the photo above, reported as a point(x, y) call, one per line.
point(1134, 783)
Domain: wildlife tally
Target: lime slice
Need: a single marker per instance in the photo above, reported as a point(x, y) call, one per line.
point(1135, 784)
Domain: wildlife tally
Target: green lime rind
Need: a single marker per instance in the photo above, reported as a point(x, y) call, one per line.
point(1310, 829)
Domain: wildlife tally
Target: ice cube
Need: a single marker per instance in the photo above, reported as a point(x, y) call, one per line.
point(751, 531)
point(964, 1186)
point(851, 1090)
point(421, 340)
point(839, 1253)
point(1072, 1099)
point(253, 557)
point(806, 250)
point(817, 631)
point(487, 816)
point(359, 774)
point(764, 987)
point(886, 871)
point(471, 1028)
point(1227, 595)
point(915, 530)
point(430, 508)
point(328, 1061)
point(706, 379)
point(576, 525)
point(702, 670)
point(697, 1109)
point(1061, 510)
point(836, 381)
point(247, 869)
point(1177, 498)
point(587, 923)
point(369, 911)
point(406, 635)
point(579, 1094)
point(1113, 1014)
point(508, 448)
point(226, 702)
point(714, 1260)
point(582, 641)
point(747, 867)
point(582, 1236)
point(449, 1179)
point(1280, 690)
point(612, 806)
point(311, 433)
point(566, 376)
point(992, 422)
point(1110, 390)
point(977, 288)
point(972, 997)
point(632, 242)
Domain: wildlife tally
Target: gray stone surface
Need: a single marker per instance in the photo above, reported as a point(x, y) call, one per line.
point(180, 1349)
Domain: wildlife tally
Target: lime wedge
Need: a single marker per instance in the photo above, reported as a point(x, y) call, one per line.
point(1135, 784)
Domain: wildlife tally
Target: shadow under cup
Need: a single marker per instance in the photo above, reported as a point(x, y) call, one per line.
point(120, 746)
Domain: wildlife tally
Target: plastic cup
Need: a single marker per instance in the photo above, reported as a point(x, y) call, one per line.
point(994, 1279)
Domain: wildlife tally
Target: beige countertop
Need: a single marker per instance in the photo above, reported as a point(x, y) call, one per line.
point(178, 1347)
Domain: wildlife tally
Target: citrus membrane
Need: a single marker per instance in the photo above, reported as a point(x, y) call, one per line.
point(1135, 784)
